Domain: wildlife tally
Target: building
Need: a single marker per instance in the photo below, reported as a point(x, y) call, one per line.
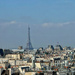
point(50, 48)
point(58, 47)
point(7, 51)
point(1, 52)
point(13, 56)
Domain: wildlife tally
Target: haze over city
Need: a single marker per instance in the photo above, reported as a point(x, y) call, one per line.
point(50, 21)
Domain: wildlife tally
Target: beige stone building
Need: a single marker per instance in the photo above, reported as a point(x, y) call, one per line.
point(13, 56)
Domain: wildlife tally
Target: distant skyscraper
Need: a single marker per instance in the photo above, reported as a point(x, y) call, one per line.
point(29, 45)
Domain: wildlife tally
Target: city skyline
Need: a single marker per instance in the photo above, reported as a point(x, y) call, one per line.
point(51, 21)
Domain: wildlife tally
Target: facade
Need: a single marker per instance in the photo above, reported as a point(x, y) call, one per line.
point(17, 62)
point(13, 56)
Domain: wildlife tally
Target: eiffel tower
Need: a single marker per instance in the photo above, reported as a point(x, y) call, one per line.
point(29, 45)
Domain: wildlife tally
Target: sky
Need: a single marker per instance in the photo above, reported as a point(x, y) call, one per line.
point(50, 21)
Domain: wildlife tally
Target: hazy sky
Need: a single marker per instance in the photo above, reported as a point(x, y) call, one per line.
point(51, 21)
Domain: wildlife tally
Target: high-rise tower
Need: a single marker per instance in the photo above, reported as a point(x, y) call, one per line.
point(29, 45)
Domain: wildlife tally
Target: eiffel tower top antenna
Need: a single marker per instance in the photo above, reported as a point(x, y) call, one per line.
point(28, 34)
